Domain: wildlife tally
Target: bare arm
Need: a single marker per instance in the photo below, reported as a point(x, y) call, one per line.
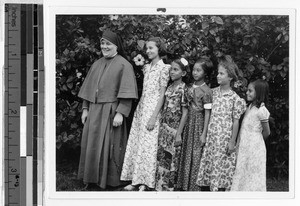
point(235, 129)
point(266, 129)
point(205, 126)
point(206, 120)
point(182, 120)
point(157, 109)
point(160, 102)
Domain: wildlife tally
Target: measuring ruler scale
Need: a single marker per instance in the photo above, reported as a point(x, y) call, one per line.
point(24, 100)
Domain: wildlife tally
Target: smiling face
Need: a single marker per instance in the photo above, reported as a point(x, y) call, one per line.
point(251, 94)
point(108, 49)
point(176, 72)
point(151, 50)
point(223, 78)
point(198, 72)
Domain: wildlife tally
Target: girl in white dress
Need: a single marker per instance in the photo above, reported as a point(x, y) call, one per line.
point(250, 173)
point(141, 152)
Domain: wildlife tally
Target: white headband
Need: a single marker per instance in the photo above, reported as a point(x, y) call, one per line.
point(184, 61)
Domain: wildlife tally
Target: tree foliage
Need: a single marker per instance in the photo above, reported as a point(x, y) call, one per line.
point(257, 43)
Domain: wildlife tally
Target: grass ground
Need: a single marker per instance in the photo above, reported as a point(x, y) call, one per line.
point(66, 180)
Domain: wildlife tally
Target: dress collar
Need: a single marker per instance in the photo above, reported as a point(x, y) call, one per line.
point(252, 105)
point(159, 63)
point(178, 85)
point(229, 92)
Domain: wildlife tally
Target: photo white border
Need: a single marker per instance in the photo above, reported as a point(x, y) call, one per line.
point(55, 7)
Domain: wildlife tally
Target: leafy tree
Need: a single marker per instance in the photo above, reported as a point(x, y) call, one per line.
point(259, 44)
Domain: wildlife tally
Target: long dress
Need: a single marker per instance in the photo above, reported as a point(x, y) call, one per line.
point(168, 155)
point(216, 166)
point(108, 88)
point(199, 98)
point(141, 151)
point(250, 173)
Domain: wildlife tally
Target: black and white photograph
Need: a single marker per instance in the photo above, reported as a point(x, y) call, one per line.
point(170, 103)
point(161, 102)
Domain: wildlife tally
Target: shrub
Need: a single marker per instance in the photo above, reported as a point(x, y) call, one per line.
point(258, 44)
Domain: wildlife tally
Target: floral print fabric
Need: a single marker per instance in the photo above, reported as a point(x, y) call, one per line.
point(141, 152)
point(197, 97)
point(216, 167)
point(168, 155)
point(250, 173)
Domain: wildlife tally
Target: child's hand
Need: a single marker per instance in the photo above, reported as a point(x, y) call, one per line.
point(151, 123)
point(84, 115)
point(118, 120)
point(178, 140)
point(202, 140)
point(230, 148)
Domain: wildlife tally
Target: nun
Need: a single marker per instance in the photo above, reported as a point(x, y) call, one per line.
point(107, 92)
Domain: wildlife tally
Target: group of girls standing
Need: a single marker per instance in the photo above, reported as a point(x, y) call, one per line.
point(184, 137)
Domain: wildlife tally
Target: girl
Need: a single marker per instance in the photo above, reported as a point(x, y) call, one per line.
point(173, 119)
point(217, 164)
point(250, 173)
point(141, 152)
point(199, 100)
point(107, 94)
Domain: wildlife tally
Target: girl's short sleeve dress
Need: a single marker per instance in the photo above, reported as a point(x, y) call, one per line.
point(250, 173)
point(141, 151)
point(216, 167)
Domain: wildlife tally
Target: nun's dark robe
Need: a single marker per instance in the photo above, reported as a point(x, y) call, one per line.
point(109, 87)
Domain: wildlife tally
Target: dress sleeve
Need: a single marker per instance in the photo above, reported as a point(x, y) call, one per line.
point(85, 104)
point(184, 102)
point(164, 76)
point(239, 108)
point(144, 68)
point(263, 113)
point(185, 97)
point(124, 106)
point(207, 100)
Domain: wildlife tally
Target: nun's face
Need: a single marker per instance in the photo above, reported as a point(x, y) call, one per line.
point(108, 49)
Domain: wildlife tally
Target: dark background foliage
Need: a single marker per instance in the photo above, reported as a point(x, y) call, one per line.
point(259, 44)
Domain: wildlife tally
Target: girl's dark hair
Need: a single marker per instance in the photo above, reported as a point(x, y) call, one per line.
point(186, 68)
point(206, 65)
point(261, 88)
point(162, 49)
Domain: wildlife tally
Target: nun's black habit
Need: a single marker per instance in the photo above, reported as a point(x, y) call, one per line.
point(108, 88)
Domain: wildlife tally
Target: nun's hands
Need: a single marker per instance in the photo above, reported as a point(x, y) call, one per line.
point(84, 115)
point(118, 120)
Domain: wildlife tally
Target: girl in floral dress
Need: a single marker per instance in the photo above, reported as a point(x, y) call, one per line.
point(250, 173)
point(174, 116)
point(218, 160)
point(199, 99)
point(141, 152)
